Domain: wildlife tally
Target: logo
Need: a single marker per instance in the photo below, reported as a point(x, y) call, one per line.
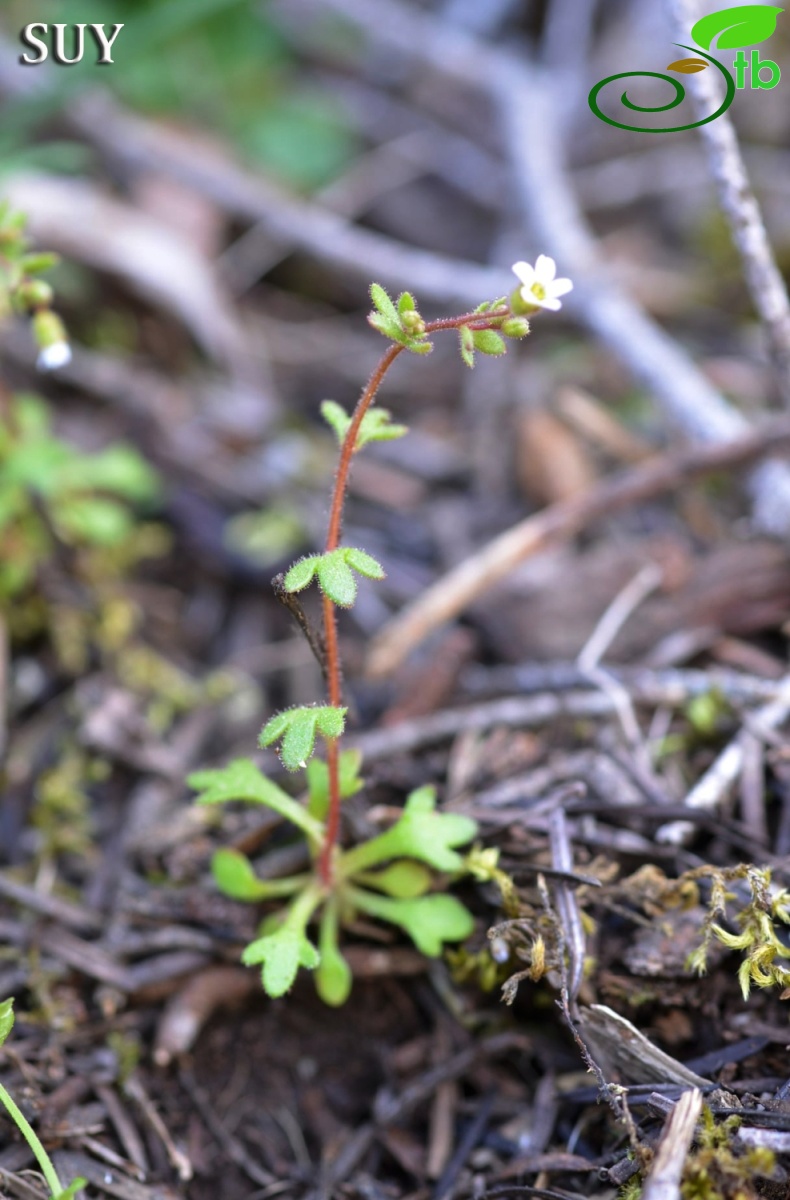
point(735, 28)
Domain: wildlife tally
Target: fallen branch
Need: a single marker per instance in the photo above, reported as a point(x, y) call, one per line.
point(560, 522)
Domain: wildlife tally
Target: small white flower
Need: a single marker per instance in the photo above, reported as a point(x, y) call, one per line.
point(540, 288)
point(54, 356)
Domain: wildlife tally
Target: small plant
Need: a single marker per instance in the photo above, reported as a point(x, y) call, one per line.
point(389, 876)
point(54, 498)
point(24, 293)
point(56, 1189)
point(762, 923)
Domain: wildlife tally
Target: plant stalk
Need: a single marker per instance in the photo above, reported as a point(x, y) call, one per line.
point(475, 321)
point(33, 1141)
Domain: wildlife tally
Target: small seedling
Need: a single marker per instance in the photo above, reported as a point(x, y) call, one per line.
point(56, 1189)
point(390, 877)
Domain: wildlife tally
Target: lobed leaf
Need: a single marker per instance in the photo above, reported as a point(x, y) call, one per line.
point(242, 780)
point(281, 954)
point(376, 425)
point(404, 880)
point(420, 833)
point(297, 728)
point(430, 921)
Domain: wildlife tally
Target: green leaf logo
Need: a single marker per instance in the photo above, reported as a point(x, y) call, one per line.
point(745, 25)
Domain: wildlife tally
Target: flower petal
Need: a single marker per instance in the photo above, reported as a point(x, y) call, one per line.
point(560, 287)
point(545, 269)
point(525, 272)
point(551, 304)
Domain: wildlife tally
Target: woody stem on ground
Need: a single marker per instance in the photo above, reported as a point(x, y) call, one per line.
point(476, 321)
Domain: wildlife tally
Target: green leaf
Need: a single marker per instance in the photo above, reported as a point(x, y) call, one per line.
point(282, 954)
point(429, 920)
point(333, 976)
point(93, 519)
point(744, 25)
point(387, 328)
point(330, 721)
point(404, 879)
point(297, 728)
point(349, 764)
point(335, 577)
point(420, 833)
point(376, 425)
point(406, 303)
point(467, 344)
point(488, 342)
point(118, 469)
point(69, 1192)
point(242, 780)
point(383, 302)
point(418, 345)
point(300, 575)
point(298, 740)
point(365, 564)
point(34, 264)
point(336, 417)
point(234, 876)
point(6, 1018)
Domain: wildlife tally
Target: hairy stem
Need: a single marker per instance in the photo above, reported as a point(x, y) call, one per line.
point(475, 321)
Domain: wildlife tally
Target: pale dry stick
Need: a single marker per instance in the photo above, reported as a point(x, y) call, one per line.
point(527, 99)
point(663, 1182)
point(709, 792)
point(566, 903)
point(740, 206)
point(468, 581)
point(621, 609)
point(614, 618)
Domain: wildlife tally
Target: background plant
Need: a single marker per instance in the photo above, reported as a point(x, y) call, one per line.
point(22, 291)
point(386, 877)
point(56, 1189)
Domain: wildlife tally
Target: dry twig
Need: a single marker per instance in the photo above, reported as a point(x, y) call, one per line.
point(663, 1182)
point(476, 575)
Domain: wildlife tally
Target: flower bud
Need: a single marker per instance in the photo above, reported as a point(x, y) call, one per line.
point(515, 327)
point(519, 305)
point(411, 321)
point(50, 335)
point(35, 293)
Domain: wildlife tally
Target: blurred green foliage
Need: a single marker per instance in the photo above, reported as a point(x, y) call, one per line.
point(54, 499)
point(220, 64)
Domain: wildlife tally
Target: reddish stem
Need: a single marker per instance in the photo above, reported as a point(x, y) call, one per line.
point(474, 321)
